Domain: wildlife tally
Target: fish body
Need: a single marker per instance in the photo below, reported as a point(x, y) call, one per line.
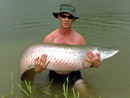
point(63, 57)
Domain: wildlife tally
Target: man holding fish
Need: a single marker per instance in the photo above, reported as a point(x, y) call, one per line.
point(64, 53)
point(66, 35)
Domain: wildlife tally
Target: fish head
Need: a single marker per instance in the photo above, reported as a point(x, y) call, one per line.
point(107, 52)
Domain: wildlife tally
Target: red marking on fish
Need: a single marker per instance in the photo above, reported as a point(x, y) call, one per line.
point(56, 61)
point(73, 65)
point(59, 62)
point(63, 62)
point(67, 62)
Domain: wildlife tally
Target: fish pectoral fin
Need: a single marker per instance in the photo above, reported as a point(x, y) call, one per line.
point(28, 74)
point(31, 66)
point(86, 64)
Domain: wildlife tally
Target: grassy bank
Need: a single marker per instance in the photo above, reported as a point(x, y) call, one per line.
point(27, 90)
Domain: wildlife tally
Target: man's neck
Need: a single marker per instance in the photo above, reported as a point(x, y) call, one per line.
point(65, 31)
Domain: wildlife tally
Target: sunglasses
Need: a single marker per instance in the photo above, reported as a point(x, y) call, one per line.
point(69, 17)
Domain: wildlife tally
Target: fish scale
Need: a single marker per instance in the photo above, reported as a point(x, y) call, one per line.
point(63, 57)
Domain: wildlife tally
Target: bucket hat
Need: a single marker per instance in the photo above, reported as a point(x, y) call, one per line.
point(68, 8)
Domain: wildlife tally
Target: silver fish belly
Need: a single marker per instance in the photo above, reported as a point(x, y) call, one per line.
point(63, 57)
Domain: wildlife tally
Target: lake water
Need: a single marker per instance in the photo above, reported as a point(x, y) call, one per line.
point(102, 23)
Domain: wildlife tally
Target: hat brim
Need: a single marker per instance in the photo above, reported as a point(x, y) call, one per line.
point(76, 16)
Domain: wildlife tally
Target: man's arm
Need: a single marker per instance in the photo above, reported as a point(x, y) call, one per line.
point(94, 59)
point(40, 65)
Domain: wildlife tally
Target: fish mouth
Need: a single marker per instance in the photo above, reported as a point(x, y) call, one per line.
point(118, 50)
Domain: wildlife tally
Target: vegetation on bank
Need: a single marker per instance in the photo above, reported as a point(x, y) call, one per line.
point(29, 93)
point(27, 90)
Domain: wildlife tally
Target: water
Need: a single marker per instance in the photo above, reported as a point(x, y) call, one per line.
point(102, 23)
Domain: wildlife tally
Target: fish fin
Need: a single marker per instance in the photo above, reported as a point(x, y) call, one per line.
point(31, 66)
point(86, 64)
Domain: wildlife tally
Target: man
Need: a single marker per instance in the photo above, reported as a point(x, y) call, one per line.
point(65, 35)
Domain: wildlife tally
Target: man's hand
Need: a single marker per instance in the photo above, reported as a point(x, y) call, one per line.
point(93, 59)
point(41, 63)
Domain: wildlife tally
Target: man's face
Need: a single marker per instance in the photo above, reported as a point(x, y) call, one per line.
point(66, 20)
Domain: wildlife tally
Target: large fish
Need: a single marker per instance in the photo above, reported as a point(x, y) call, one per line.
point(63, 57)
